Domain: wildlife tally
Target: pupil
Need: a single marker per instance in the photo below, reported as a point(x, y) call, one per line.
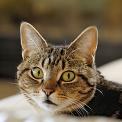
point(68, 75)
point(38, 72)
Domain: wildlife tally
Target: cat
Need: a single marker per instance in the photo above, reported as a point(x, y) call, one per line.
point(64, 79)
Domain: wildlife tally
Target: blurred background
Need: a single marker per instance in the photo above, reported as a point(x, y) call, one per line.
point(59, 21)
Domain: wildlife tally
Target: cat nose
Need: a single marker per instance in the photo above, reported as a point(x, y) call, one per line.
point(48, 91)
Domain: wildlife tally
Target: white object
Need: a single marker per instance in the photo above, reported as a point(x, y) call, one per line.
point(112, 71)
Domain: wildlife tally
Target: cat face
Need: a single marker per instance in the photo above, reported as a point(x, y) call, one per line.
point(57, 78)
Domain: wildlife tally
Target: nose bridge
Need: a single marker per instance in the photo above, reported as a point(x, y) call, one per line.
point(49, 84)
point(49, 87)
point(49, 79)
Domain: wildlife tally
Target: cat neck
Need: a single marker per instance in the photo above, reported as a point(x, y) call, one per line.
point(107, 101)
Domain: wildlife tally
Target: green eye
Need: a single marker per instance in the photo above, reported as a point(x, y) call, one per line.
point(37, 73)
point(68, 76)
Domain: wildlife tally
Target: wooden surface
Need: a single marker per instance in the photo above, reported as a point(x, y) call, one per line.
point(7, 88)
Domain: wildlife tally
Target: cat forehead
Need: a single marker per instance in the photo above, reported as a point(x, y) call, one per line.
point(55, 50)
point(49, 58)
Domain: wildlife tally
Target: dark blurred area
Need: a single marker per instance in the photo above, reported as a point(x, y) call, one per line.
point(59, 21)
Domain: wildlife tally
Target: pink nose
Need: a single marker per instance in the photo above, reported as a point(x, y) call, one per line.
point(48, 91)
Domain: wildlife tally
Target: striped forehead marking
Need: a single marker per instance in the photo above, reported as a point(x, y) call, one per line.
point(53, 57)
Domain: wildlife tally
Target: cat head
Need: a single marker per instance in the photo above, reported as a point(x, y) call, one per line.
point(58, 78)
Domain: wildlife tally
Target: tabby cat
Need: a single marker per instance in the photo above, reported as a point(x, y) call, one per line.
point(64, 79)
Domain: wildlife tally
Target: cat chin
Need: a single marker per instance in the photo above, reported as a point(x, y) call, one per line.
point(44, 106)
point(48, 107)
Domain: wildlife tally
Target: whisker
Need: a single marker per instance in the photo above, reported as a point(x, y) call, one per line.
point(32, 100)
point(87, 106)
point(63, 105)
point(78, 111)
point(87, 113)
point(13, 83)
point(100, 91)
point(80, 106)
point(72, 114)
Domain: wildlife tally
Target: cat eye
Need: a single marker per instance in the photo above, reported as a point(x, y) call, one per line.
point(37, 73)
point(68, 76)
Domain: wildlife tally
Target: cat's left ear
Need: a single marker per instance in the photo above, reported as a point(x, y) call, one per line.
point(85, 45)
point(31, 40)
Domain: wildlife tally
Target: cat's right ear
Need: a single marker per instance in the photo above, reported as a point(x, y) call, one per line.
point(30, 40)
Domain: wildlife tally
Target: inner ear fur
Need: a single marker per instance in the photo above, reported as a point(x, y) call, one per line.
point(85, 45)
point(30, 39)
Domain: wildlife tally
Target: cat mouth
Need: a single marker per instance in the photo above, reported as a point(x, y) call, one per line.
point(49, 102)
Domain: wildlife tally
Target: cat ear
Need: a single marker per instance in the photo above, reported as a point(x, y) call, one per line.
point(85, 45)
point(30, 39)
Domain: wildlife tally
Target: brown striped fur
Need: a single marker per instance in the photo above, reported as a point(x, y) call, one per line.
point(54, 60)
